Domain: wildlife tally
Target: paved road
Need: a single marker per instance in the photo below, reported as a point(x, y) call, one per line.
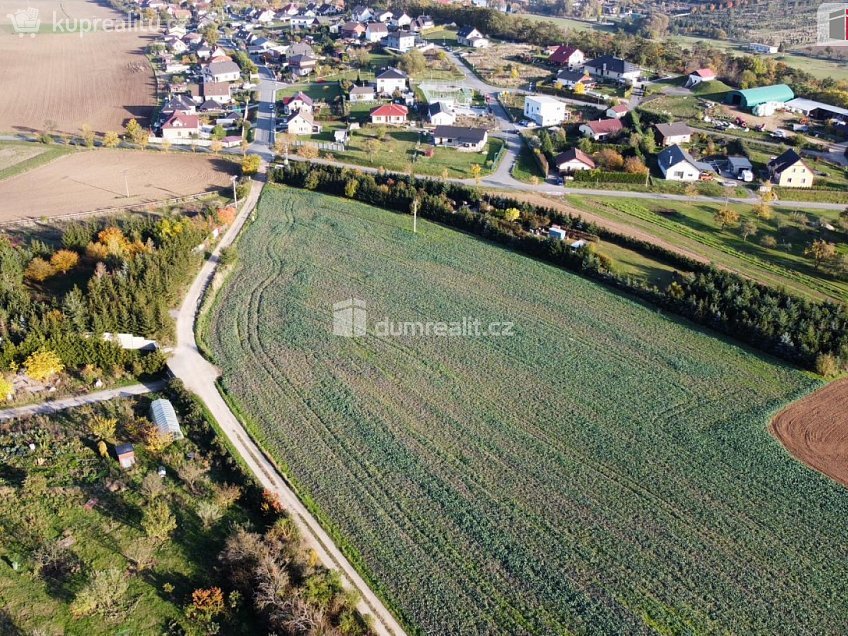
point(199, 376)
point(53, 406)
point(263, 141)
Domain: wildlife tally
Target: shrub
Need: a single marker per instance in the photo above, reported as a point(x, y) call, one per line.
point(39, 270)
point(42, 365)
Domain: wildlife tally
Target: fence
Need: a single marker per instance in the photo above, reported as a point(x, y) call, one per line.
point(321, 145)
point(446, 92)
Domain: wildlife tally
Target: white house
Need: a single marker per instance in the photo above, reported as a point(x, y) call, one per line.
point(391, 80)
point(389, 114)
point(401, 41)
point(384, 16)
point(376, 31)
point(362, 94)
point(601, 128)
point(763, 48)
point(463, 139)
point(181, 126)
point(567, 56)
point(617, 112)
point(701, 75)
point(265, 17)
point(544, 110)
point(573, 160)
point(440, 114)
point(674, 133)
point(401, 20)
point(613, 68)
point(298, 103)
point(222, 72)
point(469, 36)
point(218, 92)
point(302, 123)
point(570, 79)
point(678, 165)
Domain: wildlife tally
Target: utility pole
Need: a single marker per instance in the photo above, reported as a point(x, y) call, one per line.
point(235, 194)
point(126, 185)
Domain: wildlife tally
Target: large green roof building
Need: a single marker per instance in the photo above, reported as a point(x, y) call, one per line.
point(750, 97)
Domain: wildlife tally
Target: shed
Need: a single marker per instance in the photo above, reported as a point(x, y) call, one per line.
point(557, 233)
point(750, 97)
point(164, 417)
point(737, 164)
point(125, 454)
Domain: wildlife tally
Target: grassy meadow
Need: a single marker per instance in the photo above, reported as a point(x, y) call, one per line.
point(606, 469)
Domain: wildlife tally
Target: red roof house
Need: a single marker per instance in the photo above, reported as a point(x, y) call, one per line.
point(569, 56)
point(389, 114)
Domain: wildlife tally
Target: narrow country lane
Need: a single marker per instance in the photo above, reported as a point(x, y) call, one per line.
point(199, 376)
point(54, 406)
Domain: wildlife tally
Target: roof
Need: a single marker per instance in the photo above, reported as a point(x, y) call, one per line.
point(704, 73)
point(164, 417)
point(178, 102)
point(544, 99)
point(357, 90)
point(674, 129)
point(461, 134)
point(674, 155)
point(377, 27)
point(784, 161)
point(179, 120)
point(300, 96)
point(619, 108)
point(303, 114)
point(562, 53)
point(300, 60)
point(605, 126)
point(223, 67)
point(123, 449)
point(438, 107)
point(392, 73)
point(572, 76)
point(390, 110)
point(574, 154)
point(806, 106)
point(614, 64)
point(739, 163)
point(751, 97)
point(216, 88)
point(465, 31)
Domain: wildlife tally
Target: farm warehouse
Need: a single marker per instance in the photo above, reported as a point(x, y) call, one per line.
point(607, 470)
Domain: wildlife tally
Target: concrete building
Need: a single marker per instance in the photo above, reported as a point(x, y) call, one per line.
point(544, 110)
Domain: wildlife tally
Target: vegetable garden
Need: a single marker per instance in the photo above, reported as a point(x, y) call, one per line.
point(605, 470)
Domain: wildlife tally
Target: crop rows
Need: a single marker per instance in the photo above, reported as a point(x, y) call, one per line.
point(605, 470)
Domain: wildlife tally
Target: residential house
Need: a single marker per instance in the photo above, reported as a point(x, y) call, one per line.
point(222, 72)
point(391, 80)
point(701, 75)
point(613, 68)
point(617, 112)
point(601, 128)
point(178, 104)
point(573, 160)
point(304, 22)
point(266, 17)
point(297, 103)
point(376, 31)
point(362, 94)
point(181, 126)
point(674, 133)
point(678, 165)
point(440, 114)
point(176, 46)
point(300, 48)
point(389, 114)
point(401, 20)
point(218, 92)
point(469, 36)
point(126, 455)
point(768, 49)
point(570, 79)
point(422, 22)
point(789, 171)
point(302, 65)
point(302, 123)
point(463, 139)
point(204, 52)
point(568, 56)
point(353, 30)
point(362, 13)
point(544, 110)
point(291, 9)
point(401, 41)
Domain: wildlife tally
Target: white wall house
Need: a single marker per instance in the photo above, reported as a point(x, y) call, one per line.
point(544, 110)
point(678, 165)
point(391, 80)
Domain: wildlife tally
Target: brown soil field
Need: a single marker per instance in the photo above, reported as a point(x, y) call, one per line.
point(70, 79)
point(815, 430)
point(495, 63)
point(91, 180)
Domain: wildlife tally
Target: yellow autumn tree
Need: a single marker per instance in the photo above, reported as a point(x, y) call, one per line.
point(6, 388)
point(39, 270)
point(43, 365)
point(64, 260)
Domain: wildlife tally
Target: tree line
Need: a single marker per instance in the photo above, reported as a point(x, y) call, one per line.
point(811, 334)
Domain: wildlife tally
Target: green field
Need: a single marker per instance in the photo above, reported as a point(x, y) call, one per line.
point(692, 227)
point(16, 158)
point(605, 470)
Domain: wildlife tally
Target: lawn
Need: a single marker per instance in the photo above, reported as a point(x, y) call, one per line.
point(324, 91)
point(604, 470)
point(401, 148)
point(16, 158)
point(692, 227)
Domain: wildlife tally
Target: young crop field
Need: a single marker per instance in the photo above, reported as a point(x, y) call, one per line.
point(606, 469)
